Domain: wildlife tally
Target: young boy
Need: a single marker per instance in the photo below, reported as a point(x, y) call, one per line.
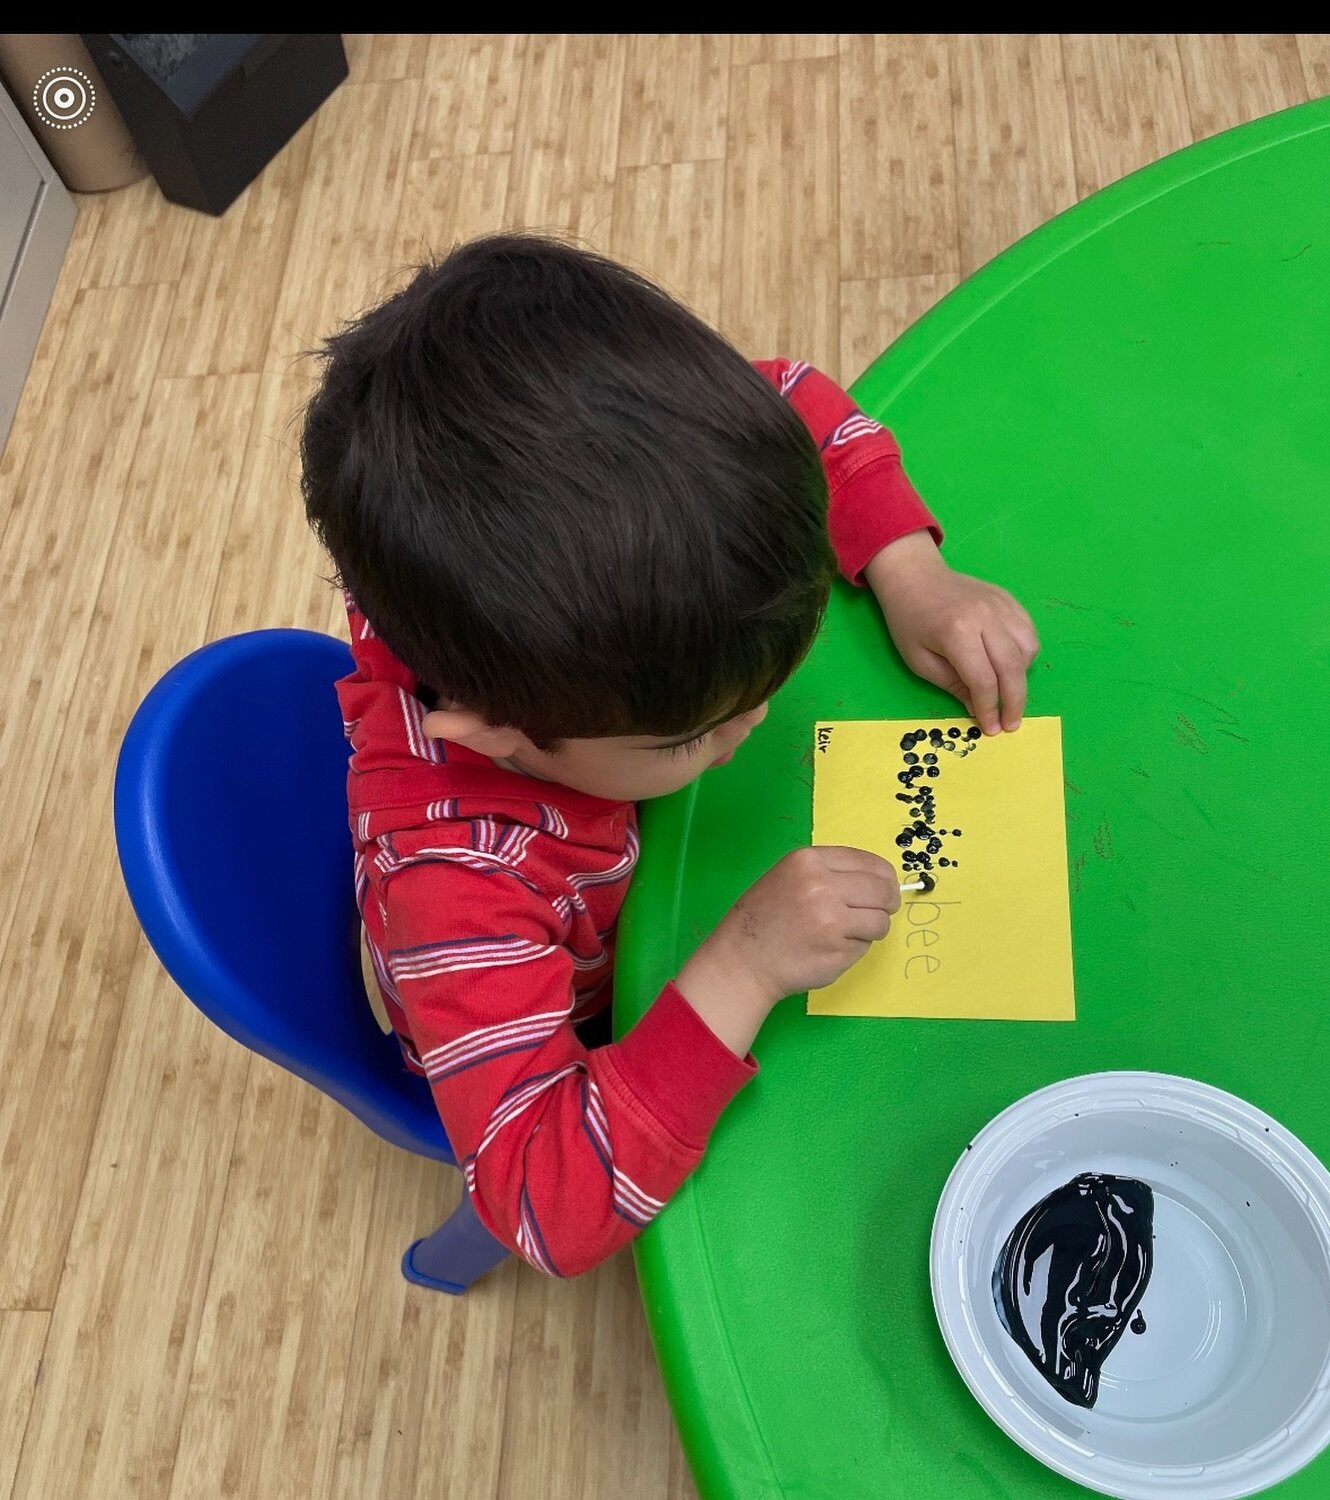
point(583, 542)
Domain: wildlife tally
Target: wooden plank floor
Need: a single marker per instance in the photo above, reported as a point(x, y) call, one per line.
point(199, 1293)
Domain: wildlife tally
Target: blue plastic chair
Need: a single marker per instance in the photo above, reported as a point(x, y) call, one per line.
point(231, 827)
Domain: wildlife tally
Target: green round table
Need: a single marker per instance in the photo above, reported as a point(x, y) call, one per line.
point(1126, 420)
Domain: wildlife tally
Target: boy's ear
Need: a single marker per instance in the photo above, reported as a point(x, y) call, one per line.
point(463, 727)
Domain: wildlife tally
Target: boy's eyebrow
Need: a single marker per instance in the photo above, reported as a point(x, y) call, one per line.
point(688, 738)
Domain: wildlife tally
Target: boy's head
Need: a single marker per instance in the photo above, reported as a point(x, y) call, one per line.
point(574, 511)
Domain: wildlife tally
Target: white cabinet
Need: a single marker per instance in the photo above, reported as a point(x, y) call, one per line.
point(36, 221)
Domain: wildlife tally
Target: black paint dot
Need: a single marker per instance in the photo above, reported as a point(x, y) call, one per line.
point(955, 833)
point(930, 760)
point(926, 862)
point(903, 776)
point(944, 862)
point(911, 760)
point(933, 771)
point(973, 734)
point(904, 797)
point(907, 741)
point(1138, 1322)
point(904, 840)
point(954, 734)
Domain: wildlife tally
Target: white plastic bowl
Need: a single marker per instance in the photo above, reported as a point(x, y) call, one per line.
point(1228, 1390)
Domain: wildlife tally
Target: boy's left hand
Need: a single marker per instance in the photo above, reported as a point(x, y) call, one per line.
point(969, 637)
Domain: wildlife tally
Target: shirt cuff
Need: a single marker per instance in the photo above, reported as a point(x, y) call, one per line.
point(874, 507)
point(678, 1070)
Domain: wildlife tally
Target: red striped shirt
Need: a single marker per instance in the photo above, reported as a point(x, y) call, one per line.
point(490, 902)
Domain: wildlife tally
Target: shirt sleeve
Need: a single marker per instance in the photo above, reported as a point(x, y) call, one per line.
point(567, 1153)
point(872, 502)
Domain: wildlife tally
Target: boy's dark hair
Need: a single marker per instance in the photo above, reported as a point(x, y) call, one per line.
point(562, 500)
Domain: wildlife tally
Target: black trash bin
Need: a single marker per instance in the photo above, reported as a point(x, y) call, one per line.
point(209, 112)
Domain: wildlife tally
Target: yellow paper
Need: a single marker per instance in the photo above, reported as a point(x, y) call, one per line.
point(993, 940)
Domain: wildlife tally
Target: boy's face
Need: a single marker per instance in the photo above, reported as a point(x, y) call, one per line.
point(632, 768)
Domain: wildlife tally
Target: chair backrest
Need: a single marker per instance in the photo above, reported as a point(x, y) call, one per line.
point(231, 826)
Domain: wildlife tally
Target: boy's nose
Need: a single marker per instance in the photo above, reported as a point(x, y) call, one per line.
point(745, 722)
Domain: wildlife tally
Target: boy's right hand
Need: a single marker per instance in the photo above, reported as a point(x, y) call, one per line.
point(798, 928)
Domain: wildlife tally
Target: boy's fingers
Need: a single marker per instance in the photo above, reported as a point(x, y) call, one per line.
point(867, 926)
point(939, 671)
point(976, 672)
point(866, 892)
point(1009, 663)
point(861, 945)
point(847, 860)
point(1027, 637)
